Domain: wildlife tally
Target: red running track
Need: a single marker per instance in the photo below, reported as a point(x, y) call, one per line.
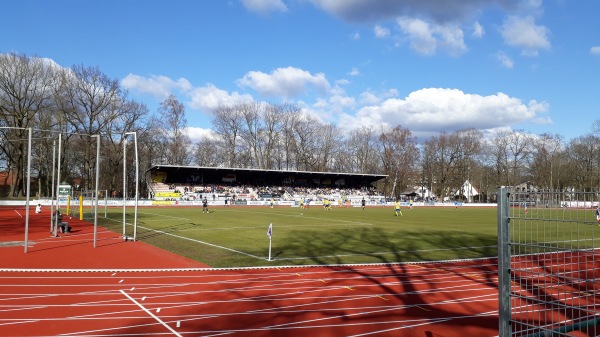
point(124, 289)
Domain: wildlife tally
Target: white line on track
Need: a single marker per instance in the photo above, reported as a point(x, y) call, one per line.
point(150, 313)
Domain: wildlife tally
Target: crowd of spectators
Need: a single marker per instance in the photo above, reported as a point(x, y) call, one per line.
point(245, 192)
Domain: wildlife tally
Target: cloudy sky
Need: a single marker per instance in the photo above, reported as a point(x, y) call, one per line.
point(428, 65)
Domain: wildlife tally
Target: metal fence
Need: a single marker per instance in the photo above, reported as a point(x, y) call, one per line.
point(549, 264)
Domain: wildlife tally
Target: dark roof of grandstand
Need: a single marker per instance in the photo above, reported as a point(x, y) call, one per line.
point(215, 175)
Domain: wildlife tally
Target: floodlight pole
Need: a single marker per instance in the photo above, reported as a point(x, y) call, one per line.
point(97, 182)
point(28, 193)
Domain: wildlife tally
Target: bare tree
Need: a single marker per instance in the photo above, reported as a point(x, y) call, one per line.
point(227, 122)
point(399, 156)
point(286, 145)
point(261, 131)
point(545, 161)
point(448, 159)
point(174, 123)
point(88, 101)
point(25, 93)
point(132, 117)
point(583, 162)
point(512, 149)
point(208, 152)
point(305, 136)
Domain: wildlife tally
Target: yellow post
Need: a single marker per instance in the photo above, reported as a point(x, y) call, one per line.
point(68, 205)
point(81, 207)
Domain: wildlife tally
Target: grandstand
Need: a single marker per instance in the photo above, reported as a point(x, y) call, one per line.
point(172, 182)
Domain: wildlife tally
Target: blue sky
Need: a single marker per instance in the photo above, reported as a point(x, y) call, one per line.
point(430, 66)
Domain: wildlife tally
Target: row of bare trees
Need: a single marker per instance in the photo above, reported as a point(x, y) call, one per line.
point(81, 102)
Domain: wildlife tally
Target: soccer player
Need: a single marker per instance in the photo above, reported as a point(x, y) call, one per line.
point(363, 203)
point(204, 205)
point(598, 214)
point(397, 206)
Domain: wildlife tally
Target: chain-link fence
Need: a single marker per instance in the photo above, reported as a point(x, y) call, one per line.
point(549, 263)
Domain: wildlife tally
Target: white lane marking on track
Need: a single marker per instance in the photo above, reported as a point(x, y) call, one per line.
point(151, 314)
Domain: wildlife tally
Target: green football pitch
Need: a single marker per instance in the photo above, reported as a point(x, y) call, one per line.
point(237, 236)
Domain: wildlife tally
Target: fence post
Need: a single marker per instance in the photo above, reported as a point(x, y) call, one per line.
point(504, 279)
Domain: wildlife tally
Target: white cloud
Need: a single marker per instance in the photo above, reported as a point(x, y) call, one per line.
point(209, 97)
point(333, 105)
point(159, 87)
point(381, 32)
point(438, 109)
point(371, 98)
point(264, 6)
point(355, 36)
point(522, 32)
point(354, 72)
point(478, 30)
point(196, 134)
point(284, 82)
point(595, 50)
point(426, 38)
point(505, 60)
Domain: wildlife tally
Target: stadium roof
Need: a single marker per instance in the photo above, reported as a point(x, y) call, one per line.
point(216, 175)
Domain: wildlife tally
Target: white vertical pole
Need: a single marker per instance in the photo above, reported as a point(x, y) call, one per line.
point(97, 182)
point(269, 249)
point(53, 172)
point(137, 170)
point(57, 185)
point(105, 204)
point(28, 193)
point(124, 180)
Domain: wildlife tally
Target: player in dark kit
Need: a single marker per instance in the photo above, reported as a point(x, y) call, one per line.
point(204, 205)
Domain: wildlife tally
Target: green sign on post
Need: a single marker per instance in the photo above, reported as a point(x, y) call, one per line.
point(64, 190)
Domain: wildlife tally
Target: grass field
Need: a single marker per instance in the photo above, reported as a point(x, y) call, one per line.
point(237, 236)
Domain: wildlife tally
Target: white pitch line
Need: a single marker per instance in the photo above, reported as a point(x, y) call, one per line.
point(202, 242)
point(150, 313)
point(164, 216)
point(205, 243)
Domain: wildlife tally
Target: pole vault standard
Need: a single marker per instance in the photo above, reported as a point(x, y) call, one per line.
point(54, 215)
point(137, 169)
